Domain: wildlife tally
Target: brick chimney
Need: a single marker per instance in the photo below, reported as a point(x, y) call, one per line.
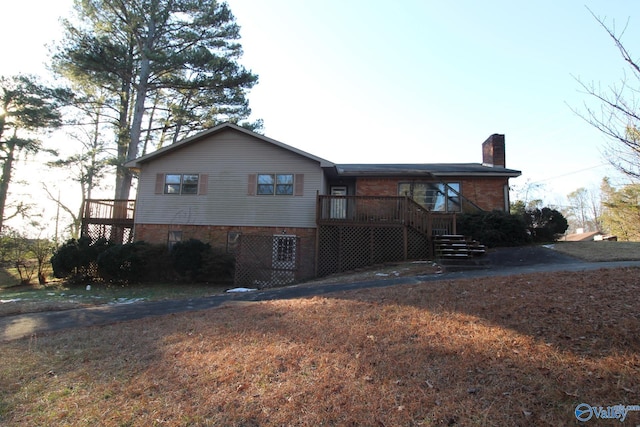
point(493, 151)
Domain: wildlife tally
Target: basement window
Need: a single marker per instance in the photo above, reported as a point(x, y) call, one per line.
point(174, 237)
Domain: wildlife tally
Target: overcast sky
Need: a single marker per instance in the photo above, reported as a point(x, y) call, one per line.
point(411, 81)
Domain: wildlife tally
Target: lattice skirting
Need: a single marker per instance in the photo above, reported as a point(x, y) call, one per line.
point(113, 233)
point(344, 248)
point(267, 261)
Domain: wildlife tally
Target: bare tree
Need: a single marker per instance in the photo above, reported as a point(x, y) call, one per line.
point(617, 115)
point(579, 207)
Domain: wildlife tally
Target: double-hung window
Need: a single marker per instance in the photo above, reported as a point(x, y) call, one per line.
point(275, 184)
point(181, 183)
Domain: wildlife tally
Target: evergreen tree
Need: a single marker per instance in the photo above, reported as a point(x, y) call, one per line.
point(170, 68)
point(621, 213)
point(27, 108)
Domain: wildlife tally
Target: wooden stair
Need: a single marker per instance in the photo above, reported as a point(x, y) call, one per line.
point(454, 251)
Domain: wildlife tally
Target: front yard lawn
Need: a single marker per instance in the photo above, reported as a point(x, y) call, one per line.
point(520, 350)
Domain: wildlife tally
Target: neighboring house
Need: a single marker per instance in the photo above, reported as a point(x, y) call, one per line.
point(582, 236)
point(588, 237)
point(289, 215)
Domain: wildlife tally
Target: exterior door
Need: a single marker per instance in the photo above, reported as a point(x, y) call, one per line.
point(338, 205)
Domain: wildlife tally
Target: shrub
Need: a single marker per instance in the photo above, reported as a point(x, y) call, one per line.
point(134, 262)
point(191, 260)
point(77, 258)
point(546, 224)
point(158, 266)
point(217, 266)
point(494, 228)
point(188, 258)
point(194, 260)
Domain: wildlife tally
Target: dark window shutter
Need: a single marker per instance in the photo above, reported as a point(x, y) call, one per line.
point(252, 184)
point(160, 183)
point(299, 185)
point(203, 183)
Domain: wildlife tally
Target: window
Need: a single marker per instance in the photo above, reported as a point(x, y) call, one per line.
point(435, 196)
point(181, 184)
point(174, 237)
point(278, 184)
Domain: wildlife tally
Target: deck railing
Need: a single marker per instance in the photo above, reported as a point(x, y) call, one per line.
point(383, 210)
point(103, 210)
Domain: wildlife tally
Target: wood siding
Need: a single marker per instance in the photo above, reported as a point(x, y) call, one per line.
point(226, 161)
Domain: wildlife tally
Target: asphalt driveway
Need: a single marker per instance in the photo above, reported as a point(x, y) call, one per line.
point(501, 262)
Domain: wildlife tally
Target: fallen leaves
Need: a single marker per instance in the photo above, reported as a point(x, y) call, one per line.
point(508, 351)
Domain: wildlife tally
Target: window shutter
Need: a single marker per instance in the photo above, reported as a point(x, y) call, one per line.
point(299, 185)
point(203, 183)
point(253, 182)
point(159, 183)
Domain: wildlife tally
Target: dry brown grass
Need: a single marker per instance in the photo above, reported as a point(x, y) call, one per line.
point(520, 350)
point(601, 251)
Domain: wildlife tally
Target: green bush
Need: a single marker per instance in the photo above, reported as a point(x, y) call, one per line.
point(188, 258)
point(546, 224)
point(77, 258)
point(191, 260)
point(498, 228)
point(494, 228)
point(218, 266)
point(134, 262)
point(194, 260)
point(158, 266)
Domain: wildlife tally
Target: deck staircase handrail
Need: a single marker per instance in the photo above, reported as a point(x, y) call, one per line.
point(427, 222)
point(475, 207)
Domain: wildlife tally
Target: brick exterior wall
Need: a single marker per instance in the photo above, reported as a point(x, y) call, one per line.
point(374, 186)
point(216, 236)
point(487, 193)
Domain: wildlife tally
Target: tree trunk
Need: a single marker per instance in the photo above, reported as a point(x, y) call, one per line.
point(124, 130)
point(7, 168)
point(138, 111)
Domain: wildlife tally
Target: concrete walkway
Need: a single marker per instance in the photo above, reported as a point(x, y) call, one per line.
point(511, 262)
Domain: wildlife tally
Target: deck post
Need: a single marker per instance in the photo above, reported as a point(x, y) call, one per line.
point(405, 238)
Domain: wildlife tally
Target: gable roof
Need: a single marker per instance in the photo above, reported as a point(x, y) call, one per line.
point(425, 169)
point(134, 164)
point(415, 169)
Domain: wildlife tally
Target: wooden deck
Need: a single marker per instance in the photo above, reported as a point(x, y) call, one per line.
point(383, 211)
point(103, 211)
point(109, 219)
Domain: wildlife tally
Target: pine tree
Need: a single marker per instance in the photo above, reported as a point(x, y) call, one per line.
point(27, 108)
point(170, 68)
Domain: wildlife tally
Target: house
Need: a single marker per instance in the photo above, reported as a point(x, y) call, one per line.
point(581, 236)
point(289, 215)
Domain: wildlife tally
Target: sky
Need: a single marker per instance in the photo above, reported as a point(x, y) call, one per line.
point(366, 81)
